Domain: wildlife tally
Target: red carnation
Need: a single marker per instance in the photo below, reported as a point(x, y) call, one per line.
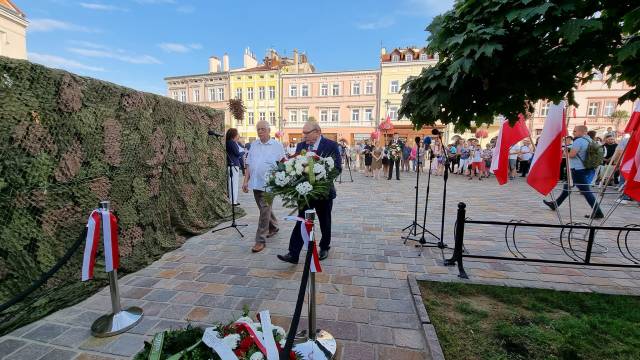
point(245, 343)
point(239, 352)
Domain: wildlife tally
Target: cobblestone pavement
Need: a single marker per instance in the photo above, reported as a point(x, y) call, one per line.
point(364, 299)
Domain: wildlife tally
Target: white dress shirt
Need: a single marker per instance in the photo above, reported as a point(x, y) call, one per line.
point(262, 157)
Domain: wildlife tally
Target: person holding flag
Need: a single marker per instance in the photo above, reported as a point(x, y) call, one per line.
point(581, 176)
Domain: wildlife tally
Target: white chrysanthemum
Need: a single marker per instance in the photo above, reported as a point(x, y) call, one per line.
point(257, 356)
point(318, 168)
point(329, 161)
point(245, 319)
point(232, 340)
point(279, 330)
point(283, 342)
point(304, 188)
point(303, 160)
point(299, 168)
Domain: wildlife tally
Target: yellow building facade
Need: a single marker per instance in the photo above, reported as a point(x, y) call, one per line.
point(259, 90)
point(396, 67)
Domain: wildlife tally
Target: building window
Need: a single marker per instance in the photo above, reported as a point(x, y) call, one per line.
point(423, 57)
point(395, 58)
point(183, 95)
point(212, 94)
point(368, 89)
point(250, 93)
point(261, 76)
point(196, 95)
point(220, 94)
point(335, 115)
point(335, 90)
point(293, 90)
point(597, 75)
point(368, 114)
point(304, 90)
point(394, 86)
point(272, 92)
point(355, 88)
point(250, 118)
point(544, 109)
point(272, 118)
point(262, 116)
point(609, 108)
point(293, 116)
point(304, 115)
point(239, 93)
point(393, 113)
point(592, 110)
point(174, 95)
point(408, 57)
point(355, 115)
point(324, 90)
point(261, 93)
point(324, 115)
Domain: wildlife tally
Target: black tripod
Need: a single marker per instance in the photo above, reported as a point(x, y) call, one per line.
point(347, 160)
point(413, 227)
point(230, 187)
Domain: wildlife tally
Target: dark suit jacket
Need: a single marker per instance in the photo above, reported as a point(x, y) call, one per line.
point(326, 148)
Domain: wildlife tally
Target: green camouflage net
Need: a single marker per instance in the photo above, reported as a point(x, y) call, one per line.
point(67, 142)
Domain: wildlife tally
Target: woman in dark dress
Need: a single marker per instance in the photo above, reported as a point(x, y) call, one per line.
point(233, 162)
point(368, 157)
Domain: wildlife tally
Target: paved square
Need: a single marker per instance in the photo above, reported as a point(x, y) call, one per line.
point(364, 299)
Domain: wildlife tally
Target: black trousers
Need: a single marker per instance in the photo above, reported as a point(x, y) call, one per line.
point(524, 167)
point(323, 214)
point(397, 163)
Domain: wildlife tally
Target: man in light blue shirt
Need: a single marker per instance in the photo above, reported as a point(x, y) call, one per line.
point(262, 157)
point(582, 177)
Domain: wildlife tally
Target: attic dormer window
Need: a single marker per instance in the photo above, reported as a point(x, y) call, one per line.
point(423, 56)
point(408, 57)
point(395, 58)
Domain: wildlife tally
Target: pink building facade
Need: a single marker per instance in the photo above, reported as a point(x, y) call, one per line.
point(345, 104)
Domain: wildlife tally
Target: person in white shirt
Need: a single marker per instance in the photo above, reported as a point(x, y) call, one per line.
point(291, 149)
point(526, 154)
point(263, 155)
point(513, 160)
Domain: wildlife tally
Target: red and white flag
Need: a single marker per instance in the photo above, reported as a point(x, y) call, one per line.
point(508, 136)
point(545, 166)
point(105, 219)
point(630, 165)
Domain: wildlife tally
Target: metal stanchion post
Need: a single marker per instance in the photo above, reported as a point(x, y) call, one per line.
point(321, 345)
point(119, 320)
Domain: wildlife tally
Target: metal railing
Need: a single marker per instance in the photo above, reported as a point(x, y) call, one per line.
point(568, 242)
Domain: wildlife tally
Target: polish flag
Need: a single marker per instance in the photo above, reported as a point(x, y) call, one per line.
point(630, 168)
point(507, 137)
point(545, 166)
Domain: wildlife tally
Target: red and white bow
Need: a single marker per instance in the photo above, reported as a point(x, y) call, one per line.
point(109, 223)
point(306, 231)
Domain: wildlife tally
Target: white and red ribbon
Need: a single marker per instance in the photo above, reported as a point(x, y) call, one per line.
point(264, 340)
point(107, 220)
point(306, 231)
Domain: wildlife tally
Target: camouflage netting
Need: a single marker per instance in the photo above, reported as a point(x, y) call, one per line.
point(67, 142)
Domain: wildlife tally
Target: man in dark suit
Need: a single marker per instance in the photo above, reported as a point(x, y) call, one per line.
point(314, 141)
point(395, 160)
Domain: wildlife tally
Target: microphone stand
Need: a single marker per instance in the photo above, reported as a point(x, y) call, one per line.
point(414, 225)
point(229, 174)
point(422, 242)
point(347, 159)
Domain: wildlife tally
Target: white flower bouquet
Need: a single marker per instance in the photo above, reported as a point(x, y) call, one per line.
point(301, 178)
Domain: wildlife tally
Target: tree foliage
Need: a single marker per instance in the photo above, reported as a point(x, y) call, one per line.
point(501, 56)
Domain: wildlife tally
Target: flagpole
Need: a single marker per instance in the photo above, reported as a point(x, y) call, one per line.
point(568, 170)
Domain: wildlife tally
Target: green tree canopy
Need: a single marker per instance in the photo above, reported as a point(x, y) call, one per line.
point(501, 56)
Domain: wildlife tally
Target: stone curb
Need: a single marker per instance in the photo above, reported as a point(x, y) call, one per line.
point(430, 336)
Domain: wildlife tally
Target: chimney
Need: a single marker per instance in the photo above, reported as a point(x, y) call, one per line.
point(214, 64)
point(383, 51)
point(249, 59)
point(295, 56)
point(225, 62)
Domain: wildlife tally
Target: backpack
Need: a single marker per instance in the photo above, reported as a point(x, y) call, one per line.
point(595, 155)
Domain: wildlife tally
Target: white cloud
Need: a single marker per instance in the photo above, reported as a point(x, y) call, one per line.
point(156, 1)
point(88, 44)
point(120, 55)
point(179, 48)
point(60, 62)
point(186, 9)
point(381, 23)
point(52, 25)
point(101, 7)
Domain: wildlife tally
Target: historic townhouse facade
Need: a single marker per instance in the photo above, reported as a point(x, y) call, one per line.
point(13, 31)
point(344, 103)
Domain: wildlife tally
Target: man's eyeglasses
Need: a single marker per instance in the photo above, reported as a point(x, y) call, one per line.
point(309, 132)
point(262, 129)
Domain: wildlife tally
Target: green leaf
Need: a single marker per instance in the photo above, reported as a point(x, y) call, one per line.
point(628, 51)
point(574, 29)
point(487, 49)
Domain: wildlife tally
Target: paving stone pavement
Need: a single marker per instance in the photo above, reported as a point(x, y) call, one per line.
point(363, 296)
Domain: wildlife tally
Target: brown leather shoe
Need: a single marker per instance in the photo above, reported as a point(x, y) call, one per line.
point(258, 247)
